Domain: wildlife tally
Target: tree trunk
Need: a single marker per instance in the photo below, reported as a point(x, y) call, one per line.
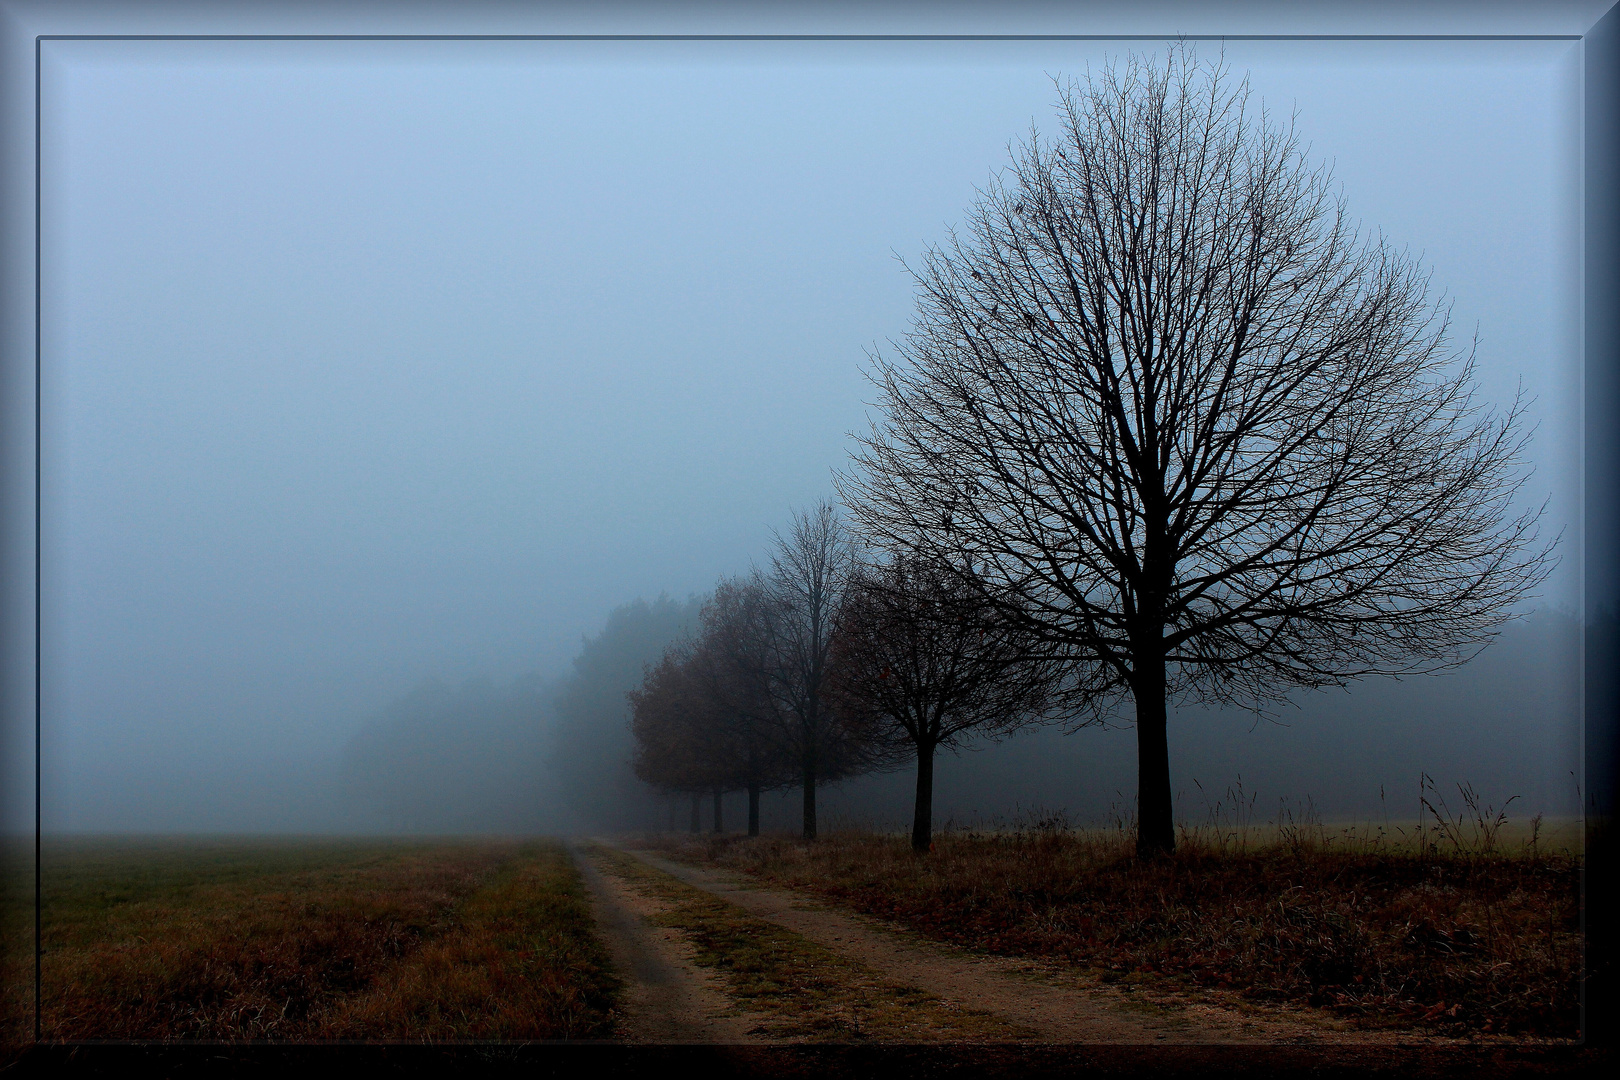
point(697, 810)
point(1155, 825)
point(717, 797)
point(753, 809)
point(922, 818)
point(809, 780)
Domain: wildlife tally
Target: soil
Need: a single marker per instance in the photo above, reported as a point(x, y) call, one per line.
point(666, 997)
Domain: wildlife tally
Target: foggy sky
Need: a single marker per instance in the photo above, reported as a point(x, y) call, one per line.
point(375, 363)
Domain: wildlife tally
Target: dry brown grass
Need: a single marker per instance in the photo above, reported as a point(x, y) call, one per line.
point(16, 945)
point(520, 962)
point(1439, 935)
point(318, 940)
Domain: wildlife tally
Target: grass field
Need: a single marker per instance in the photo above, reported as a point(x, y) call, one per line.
point(426, 941)
point(1452, 933)
point(313, 939)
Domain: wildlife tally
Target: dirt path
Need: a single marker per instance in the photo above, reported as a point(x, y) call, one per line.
point(1064, 1006)
point(666, 998)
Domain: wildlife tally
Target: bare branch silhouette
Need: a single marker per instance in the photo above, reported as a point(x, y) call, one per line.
point(930, 656)
point(1212, 439)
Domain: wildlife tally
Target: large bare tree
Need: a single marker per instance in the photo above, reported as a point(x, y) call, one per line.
point(1212, 437)
point(931, 656)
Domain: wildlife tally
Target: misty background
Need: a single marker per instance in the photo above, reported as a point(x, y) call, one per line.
point(402, 400)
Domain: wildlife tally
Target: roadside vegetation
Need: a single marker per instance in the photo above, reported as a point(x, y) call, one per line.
point(311, 939)
point(1448, 930)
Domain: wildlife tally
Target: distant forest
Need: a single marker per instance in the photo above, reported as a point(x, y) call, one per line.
point(530, 755)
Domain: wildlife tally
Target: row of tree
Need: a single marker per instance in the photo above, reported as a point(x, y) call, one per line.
point(1166, 426)
point(828, 665)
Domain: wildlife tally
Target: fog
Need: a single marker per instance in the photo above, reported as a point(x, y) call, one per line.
point(402, 400)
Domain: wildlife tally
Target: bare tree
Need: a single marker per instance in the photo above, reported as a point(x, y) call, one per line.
point(704, 718)
point(926, 650)
point(731, 665)
point(1212, 438)
point(674, 735)
point(810, 568)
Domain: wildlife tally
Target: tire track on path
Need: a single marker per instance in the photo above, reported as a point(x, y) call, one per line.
point(666, 998)
point(1070, 1007)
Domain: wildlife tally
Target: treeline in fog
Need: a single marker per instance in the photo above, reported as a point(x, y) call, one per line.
point(528, 756)
point(1113, 476)
point(828, 665)
point(1220, 455)
point(534, 755)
